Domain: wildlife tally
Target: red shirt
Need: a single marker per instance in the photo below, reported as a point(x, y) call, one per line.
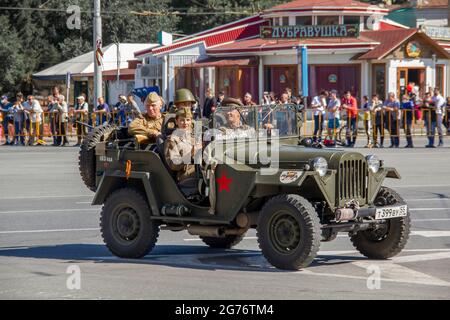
point(352, 112)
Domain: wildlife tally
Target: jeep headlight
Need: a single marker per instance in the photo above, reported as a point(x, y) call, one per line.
point(320, 165)
point(373, 162)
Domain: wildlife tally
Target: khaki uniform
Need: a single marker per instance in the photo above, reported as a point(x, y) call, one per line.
point(146, 126)
point(178, 153)
point(243, 131)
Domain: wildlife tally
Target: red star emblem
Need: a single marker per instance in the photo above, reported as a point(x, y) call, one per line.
point(224, 182)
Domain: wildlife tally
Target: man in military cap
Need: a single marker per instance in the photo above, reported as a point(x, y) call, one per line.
point(180, 147)
point(234, 127)
point(149, 125)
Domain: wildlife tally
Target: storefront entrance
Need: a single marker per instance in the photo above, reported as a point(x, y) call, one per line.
point(408, 75)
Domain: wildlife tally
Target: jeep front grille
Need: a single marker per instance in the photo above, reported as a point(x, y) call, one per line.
point(352, 179)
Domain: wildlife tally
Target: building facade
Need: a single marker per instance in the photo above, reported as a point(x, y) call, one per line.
point(351, 46)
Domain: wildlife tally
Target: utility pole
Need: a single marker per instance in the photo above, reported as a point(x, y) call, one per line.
point(98, 80)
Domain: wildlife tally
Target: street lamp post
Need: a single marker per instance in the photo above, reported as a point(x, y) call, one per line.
point(98, 91)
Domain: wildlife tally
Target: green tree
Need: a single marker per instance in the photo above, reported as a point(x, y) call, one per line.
point(12, 66)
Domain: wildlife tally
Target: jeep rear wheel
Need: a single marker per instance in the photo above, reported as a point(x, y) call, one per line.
point(390, 236)
point(226, 242)
point(125, 224)
point(289, 232)
point(86, 156)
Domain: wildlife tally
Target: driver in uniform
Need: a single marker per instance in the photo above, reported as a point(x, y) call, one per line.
point(234, 128)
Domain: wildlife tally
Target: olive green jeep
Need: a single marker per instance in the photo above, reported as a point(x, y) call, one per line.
point(293, 195)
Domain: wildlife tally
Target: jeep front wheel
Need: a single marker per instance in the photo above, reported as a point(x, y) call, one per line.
point(389, 237)
point(289, 232)
point(125, 224)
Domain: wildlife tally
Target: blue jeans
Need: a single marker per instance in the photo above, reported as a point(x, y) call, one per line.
point(431, 131)
point(18, 132)
point(352, 130)
point(318, 126)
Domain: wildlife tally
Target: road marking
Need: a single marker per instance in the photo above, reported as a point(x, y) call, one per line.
point(428, 209)
point(429, 199)
point(393, 272)
point(423, 186)
point(431, 233)
point(84, 202)
point(421, 220)
point(45, 197)
point(49, 210)
point(422, 257)
point(47, 231)
point(198, 239)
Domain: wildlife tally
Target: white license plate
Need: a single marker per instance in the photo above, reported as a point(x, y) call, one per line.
point(391, 212)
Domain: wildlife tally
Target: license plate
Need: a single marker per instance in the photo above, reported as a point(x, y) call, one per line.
point(391, 212)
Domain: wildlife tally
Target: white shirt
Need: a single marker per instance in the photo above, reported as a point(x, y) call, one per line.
point(35, 109)
point(319, 103)
point(439, 103)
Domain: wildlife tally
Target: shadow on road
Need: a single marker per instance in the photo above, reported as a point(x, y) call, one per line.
point(178, 256)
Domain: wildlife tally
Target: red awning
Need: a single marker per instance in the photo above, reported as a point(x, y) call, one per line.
point(223, 62)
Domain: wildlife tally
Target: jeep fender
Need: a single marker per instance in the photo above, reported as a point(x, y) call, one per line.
point(111, 181)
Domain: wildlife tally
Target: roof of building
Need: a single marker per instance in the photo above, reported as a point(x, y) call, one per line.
point(84, 64)
point(433, 4)
point(261, 45)
point(309, 4)
point(391, 39)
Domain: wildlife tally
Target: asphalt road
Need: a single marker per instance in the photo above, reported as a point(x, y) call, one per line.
point(47, 225)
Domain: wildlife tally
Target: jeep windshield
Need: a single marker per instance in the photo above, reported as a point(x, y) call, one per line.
point(254, 121)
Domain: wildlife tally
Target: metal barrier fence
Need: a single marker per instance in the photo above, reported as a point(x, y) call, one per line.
point(405, 122)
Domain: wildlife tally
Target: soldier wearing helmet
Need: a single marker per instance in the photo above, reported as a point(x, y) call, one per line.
point(183, 99)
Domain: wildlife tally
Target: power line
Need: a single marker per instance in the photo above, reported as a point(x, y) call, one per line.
point(169, 12)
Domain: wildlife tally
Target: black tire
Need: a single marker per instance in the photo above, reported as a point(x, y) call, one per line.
point(226, 242)
point(86, 156)
point(293, 217)
point(125, 224)
point(390, 238)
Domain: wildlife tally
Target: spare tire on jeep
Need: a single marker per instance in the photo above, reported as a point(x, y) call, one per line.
point(86, 157)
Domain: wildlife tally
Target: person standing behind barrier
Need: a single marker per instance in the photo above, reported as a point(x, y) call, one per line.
point(101, 112)
point(35, 128)
point(19, 120)
point(430, 119)
point(53, 111)
point(439, 104)
point(378, 116)
point(350, 104)
point(447, 116)
point(392, 109)
point(81, 110)
point(333, 115)
point(118, 111)
point(5, 105)
point(63, 110)
point(367, 108)
point(318, 104)
point(407, 110)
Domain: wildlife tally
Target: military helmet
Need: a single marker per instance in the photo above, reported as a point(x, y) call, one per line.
point(184, 95)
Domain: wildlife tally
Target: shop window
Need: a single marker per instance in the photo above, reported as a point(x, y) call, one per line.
point(351, 20)
point(303, 21)
point(327, 20)
point(275, 21)
point(285, 21)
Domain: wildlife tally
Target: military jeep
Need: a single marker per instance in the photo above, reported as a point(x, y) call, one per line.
point(295, 196)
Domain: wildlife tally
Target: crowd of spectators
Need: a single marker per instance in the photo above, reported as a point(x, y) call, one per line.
point(23, 120)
